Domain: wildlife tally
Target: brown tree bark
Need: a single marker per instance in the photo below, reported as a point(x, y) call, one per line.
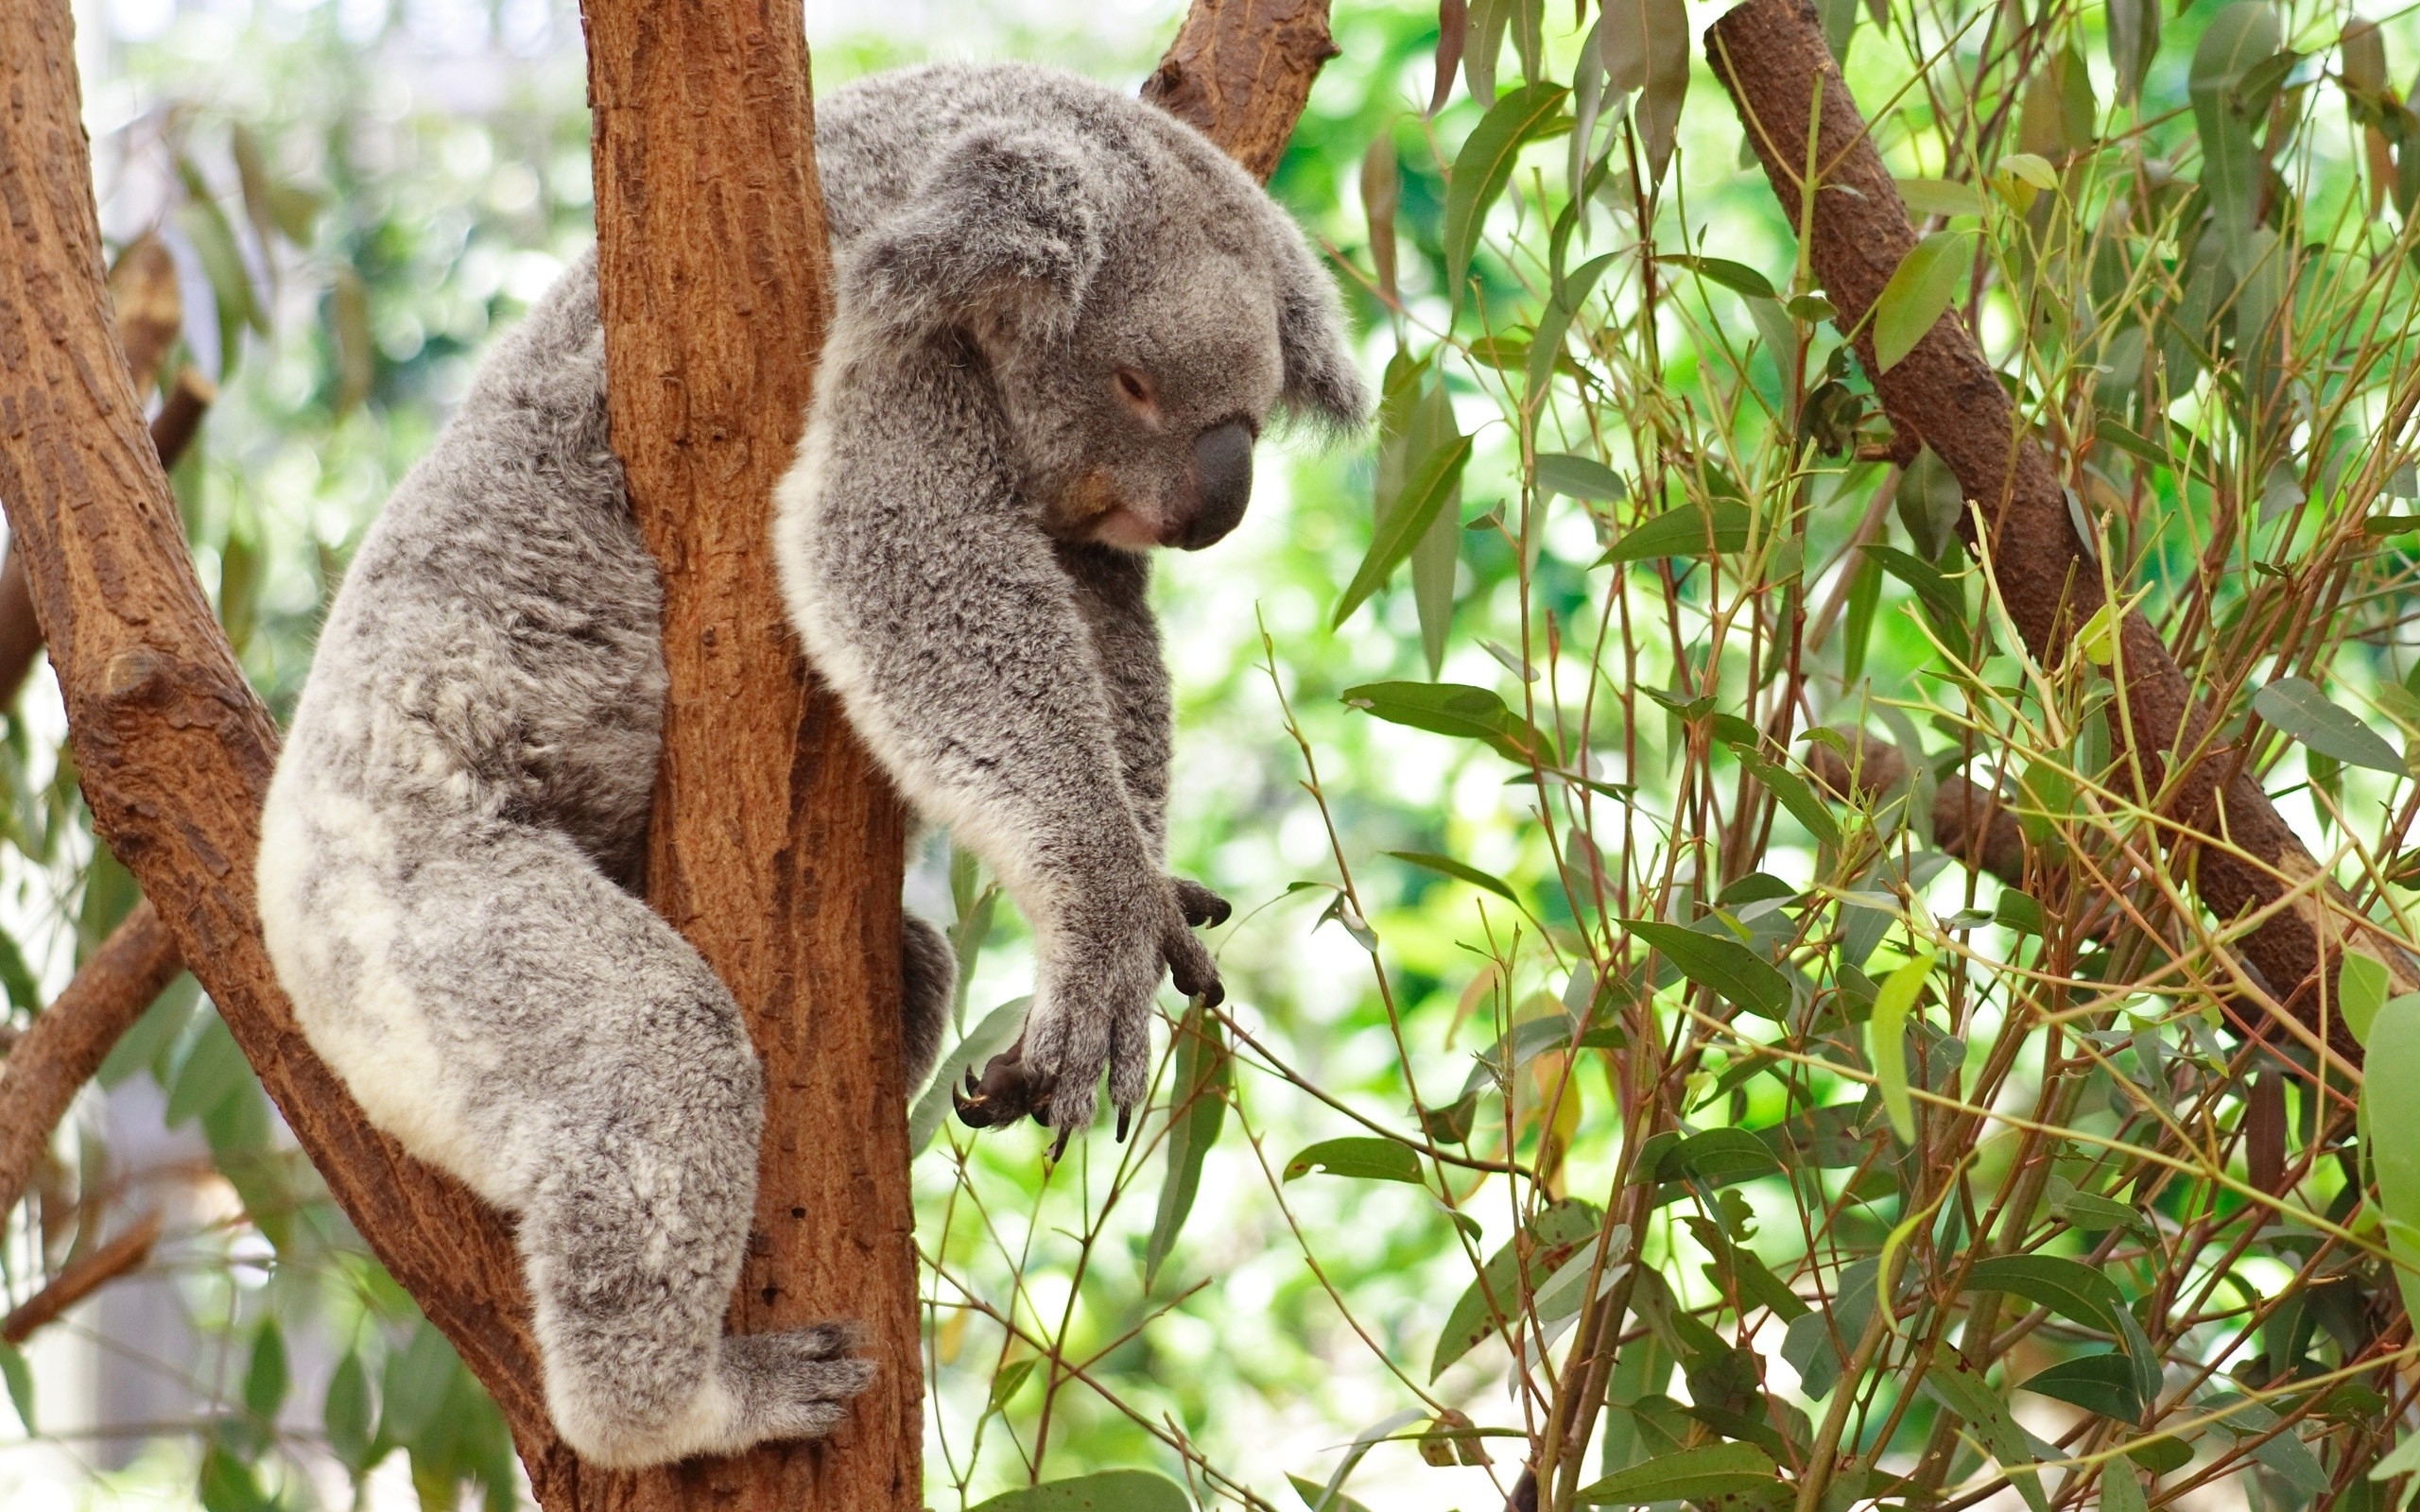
point(68, 1041)
point(776, 843)
point(1239, 71)
point(1771, 56)
point(173, 748)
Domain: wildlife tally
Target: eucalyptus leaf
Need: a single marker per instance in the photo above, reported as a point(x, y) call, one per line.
point(1363, 1158)
point(1704, 1474)
point(1918, 293)
point(2298, 708)
point(1729, 969)
point(1196, 1111)
point(1484, 167)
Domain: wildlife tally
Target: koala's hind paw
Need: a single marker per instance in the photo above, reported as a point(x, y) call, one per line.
point(793, 1384)
point(1007, 1091)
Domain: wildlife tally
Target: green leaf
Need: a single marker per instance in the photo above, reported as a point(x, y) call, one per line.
point(1494, 1295)
point(345, 1414)
point(2097, 1382)
point(1432, 483)
point(1645, 49)
point(1919, 292)
point(989, 1039)
point(19, 1378)
point(1963, 1392)
point(2119, 1490)
point(2134, 38)
point(213, 1071)
point(265, 1380)
point(2298, 708)
point(227, 1483)
point(1943, 602)
point(1363, 1158)
point(1699, 1474)
point(1483, 167)
point(417, 1377)
point(2077, 1292)
point(1453, 709)
point(23, 994)
point(2391, 1064)
point(1447, 865)
point(1103, 1491)
point(2362, 987)
point(1579, 477)
point(1687, 531)
point(1320, 1499)
point(1731, 970)
point(1794, 794)
point(2239, 39)
point(1737, 277)
point(1940, 196)
point(1888, 1044)
point(1005, 1384)
point(1718, 1157)
point(1196, 1114)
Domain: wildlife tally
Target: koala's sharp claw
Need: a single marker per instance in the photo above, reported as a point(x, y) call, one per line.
point(1008, 1090)
point(1125, 1115)
point(1059, 1145)
point(1201, 907)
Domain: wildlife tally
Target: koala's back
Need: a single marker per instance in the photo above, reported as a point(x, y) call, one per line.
point(496, 642)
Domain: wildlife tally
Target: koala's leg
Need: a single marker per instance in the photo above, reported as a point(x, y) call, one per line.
point(928, 974)
point(511, 1015)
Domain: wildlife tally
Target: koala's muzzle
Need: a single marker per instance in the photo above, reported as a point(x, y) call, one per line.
point(1222, 475)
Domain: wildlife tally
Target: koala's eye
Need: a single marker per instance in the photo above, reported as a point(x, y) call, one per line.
point(1135, 388)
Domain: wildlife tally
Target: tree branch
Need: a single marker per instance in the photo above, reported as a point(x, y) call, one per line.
point(81, 1279)
point(68, 1041)
point(1771, 55)
point(1239, 71)
point(173, 748)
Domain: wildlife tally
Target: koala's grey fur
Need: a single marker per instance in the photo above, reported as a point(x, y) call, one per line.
point(452, 835)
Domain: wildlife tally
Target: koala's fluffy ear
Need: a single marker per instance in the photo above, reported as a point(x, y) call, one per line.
point(1321, 383)
point(1001, 227)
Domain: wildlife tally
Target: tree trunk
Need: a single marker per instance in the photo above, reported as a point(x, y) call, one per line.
point(776, 843)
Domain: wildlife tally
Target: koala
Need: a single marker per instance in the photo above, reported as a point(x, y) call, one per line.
point(1062, 319)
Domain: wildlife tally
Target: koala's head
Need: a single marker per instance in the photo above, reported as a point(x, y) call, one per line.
point(1145, 311)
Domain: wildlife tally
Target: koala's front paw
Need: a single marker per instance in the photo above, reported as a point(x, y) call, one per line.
point(1007, 1091)
point(1190, 967)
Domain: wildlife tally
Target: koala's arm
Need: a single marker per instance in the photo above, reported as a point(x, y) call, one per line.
point(1112, 593)
point(927, 593)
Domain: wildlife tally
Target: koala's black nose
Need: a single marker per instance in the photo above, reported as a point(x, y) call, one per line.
point(1222, 468)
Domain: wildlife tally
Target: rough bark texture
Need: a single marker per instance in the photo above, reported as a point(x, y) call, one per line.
point(173, 748)
point(1771, 56)
point(1239, 71)
point(68, 1041)
point(172, 431)
point(776, 842)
